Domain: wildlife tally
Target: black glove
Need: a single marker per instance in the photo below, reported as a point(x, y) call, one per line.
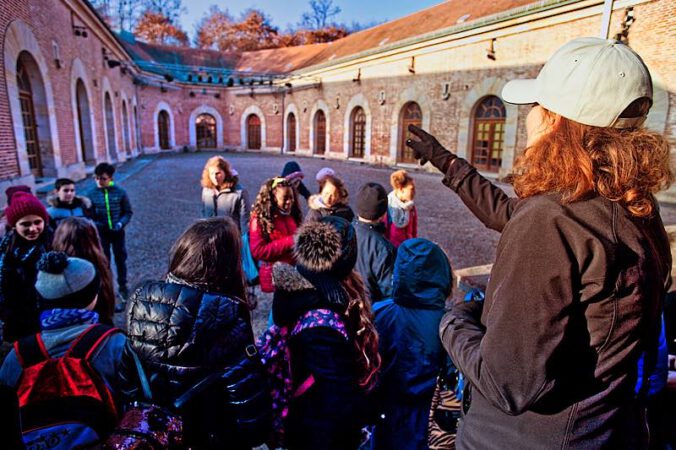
point(429, 149)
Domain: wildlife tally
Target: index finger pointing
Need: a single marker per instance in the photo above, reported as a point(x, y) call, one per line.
point(419, 132)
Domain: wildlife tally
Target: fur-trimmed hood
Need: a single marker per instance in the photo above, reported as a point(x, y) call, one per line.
point(286, 278)
point(78, 201)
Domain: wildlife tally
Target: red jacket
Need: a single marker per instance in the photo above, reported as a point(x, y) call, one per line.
point(398, 235)
point(278, 248)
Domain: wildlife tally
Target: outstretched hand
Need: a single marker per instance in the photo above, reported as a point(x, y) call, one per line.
point(427, 148)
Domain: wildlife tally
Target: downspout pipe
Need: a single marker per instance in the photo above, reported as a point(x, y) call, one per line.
point(605, 18)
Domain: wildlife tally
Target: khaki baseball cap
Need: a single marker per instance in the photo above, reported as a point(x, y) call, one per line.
point(589, 80)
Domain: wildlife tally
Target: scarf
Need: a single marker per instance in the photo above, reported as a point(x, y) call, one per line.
point(399, 211)
point(52, 319)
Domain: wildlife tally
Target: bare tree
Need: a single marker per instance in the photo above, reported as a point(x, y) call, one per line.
point(156, 28)
point(321, 12)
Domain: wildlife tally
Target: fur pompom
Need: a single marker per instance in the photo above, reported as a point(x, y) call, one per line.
point(318, 246)
point(53, 262)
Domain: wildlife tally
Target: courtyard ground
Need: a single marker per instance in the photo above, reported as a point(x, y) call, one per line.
point(165, 194)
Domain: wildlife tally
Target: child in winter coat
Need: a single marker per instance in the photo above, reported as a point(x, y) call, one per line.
point(409, 344)
point(65, 203)
point(69, 289)
point(331, 201)
point(332, 343)
point(274, 219)
point(375, 261)
point(111, 212)
point(222, 195)
point(402, 215)
point(20, 250)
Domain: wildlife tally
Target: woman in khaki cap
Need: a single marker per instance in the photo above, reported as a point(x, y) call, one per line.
point(557, 355)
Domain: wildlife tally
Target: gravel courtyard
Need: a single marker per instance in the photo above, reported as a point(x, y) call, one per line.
point(165, 195)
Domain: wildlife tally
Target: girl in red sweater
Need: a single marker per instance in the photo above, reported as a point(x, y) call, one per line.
point(274, 219)
point(402, 216)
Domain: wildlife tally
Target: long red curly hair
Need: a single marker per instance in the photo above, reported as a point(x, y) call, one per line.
point(627, 166)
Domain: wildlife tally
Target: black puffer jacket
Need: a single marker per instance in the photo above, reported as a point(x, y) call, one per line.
point(183, 335)
point(19, 301)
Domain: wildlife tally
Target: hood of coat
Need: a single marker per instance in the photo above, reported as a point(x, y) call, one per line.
point(294, 296)
point(422, 275)
point(78, 201)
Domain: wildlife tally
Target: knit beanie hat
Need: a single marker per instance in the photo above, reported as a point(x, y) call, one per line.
point(323, 173)
point(66, 282)
point(326, 252)
point(10, 191)
point(371, 201)
point(24, 204)
point(291, 167)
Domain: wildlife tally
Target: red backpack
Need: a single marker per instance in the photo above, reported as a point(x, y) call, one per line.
point(64, 402)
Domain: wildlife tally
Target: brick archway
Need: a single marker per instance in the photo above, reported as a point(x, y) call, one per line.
point(487, 87)
point(19, 38)
point(163, 106)
point(252, 109)
point(205, 109)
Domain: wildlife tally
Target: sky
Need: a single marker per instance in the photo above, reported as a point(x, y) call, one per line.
point(286, 12)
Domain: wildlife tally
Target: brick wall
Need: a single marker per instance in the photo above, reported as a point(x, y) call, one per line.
point(462, 65)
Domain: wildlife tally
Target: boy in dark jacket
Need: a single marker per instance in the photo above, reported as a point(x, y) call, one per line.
point(65, 203)
point(111, 212)
point(375, 260)
point(409, 344)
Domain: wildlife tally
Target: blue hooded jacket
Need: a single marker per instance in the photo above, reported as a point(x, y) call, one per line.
point(409, 344)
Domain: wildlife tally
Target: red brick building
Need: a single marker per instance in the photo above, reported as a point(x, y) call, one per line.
point(73, 93)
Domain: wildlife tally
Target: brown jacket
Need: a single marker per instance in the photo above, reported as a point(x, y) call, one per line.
point(574, 298)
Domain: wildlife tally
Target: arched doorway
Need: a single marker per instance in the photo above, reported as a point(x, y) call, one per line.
point(320, 133)
point(35, 117)
point(84, 123)
point(291, 132)
point(410, 115)
point(205, 126)
point(163, 129)
point(488, 134)
point(253, 132)
point(110, 128)
point(125, 129)
point(358, 133)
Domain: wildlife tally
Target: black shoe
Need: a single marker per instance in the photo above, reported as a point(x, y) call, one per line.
point(123, 292)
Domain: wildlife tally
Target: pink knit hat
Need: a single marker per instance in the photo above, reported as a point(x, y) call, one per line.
point(10, 191)
point(24, 204)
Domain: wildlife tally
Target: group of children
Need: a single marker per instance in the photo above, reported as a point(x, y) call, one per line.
point(353, 338)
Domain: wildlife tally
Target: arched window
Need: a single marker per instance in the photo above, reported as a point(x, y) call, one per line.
point(488, 134)
point(163, 129)
point(205, 125)
point(320, 133)
point(110, 127)
point(291, 132)
point(253, 132)
point(125, 129)
point(410, 115)
point(358, 133)
point(137, 134)
point(84, 123)
point(30, 128)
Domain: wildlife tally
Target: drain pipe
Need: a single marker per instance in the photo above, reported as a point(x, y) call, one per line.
point(605, 18)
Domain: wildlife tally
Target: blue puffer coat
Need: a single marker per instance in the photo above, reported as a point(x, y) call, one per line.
point(409, 343)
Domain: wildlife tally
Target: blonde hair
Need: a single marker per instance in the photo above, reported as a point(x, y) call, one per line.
point(400, 179)
point(229, 181)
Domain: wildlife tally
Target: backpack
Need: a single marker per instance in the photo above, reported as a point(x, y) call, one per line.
point(64, 403)
point(273, 346)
